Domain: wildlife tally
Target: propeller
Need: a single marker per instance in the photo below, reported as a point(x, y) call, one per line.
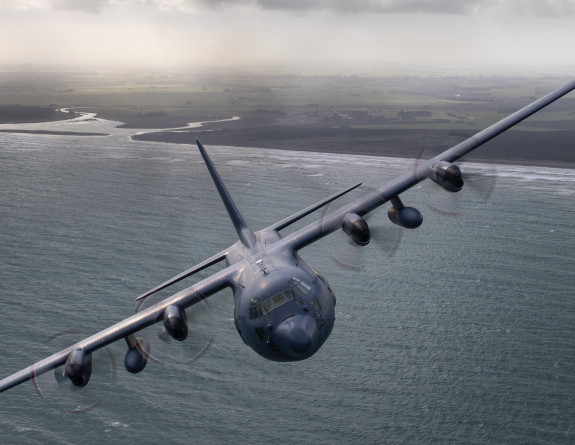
point(162, 346)
point(74, 401)
point(385, 236)
point(479, 183)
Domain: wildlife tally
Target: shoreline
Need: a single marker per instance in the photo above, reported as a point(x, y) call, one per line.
point(554, 149)
point(533, 148)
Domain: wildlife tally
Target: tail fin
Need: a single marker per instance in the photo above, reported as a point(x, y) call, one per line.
point(246, 234)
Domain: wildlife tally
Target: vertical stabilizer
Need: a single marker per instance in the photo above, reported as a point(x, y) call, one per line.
point(246, 234)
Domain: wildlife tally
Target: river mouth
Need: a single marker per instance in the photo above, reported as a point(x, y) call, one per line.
point(74, 127)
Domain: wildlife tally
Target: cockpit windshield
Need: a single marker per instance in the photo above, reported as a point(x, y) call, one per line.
point(297, 289)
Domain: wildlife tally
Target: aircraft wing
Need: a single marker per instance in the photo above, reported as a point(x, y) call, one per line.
point(78, 356)
point(425, 169)
point(126, 328)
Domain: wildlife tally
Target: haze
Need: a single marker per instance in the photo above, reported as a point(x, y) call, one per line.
point(526, 36)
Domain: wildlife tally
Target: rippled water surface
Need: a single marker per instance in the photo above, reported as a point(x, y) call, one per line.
point(462, 331)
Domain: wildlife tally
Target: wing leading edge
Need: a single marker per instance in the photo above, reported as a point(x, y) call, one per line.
point(183, 299)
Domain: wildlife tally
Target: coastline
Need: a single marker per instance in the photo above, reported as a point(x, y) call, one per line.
point(534, 148)
point(554, 149)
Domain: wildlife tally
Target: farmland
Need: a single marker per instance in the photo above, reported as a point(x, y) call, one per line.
point(369, 114)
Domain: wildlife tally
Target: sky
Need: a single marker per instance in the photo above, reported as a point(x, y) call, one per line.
point(446, 35)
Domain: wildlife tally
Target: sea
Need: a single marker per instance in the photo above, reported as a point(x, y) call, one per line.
point(459, 332)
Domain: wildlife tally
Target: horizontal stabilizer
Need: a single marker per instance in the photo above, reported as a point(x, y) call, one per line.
point(303, 213)
point(198, 267)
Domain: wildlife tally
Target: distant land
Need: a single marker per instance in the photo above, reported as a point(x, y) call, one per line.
point(56, 133)
point(399, 115)
point(16, 113)
point(545, 148)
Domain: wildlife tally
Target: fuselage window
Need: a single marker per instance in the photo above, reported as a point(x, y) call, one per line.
point(255, 309)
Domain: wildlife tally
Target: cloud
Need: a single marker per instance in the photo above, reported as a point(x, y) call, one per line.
point(368, 6)
point(89, 6)
point(92, 6)
point(537, 8)
point(550, 8)
point(350, 33)
point(22, 5)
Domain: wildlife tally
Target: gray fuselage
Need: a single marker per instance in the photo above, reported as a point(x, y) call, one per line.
point(284, 310)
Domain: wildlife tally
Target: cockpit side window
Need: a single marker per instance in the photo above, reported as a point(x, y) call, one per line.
point(255, 309)
point(298, 288)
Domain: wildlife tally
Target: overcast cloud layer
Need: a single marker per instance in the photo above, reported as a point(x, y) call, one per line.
point(466, 7)
point(518, 34)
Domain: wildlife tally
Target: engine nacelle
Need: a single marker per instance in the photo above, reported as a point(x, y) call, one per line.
point(356, 228)
point(447, 175)
point(406, 217)
point(175, 322)
point(136, 358)
point(79, 367)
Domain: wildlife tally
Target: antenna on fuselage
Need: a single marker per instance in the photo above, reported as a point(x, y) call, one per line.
point(246, 234)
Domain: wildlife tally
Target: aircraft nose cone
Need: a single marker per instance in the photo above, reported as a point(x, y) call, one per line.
point(297, 335)
point(300, 340)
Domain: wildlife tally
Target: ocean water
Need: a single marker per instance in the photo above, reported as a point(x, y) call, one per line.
point(462, 331)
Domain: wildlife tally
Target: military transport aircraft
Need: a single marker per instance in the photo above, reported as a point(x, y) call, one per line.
point(283, 309)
